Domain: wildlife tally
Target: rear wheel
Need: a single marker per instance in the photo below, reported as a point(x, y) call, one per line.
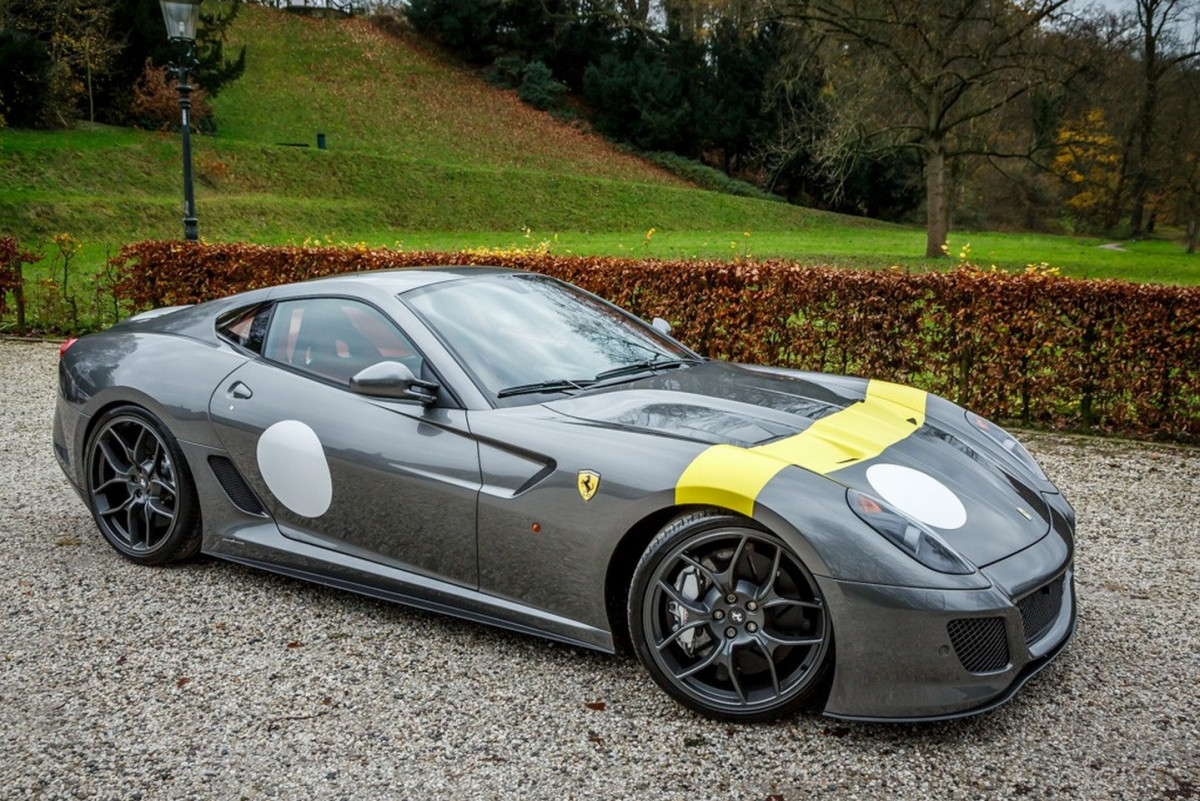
point(139, 489)
point(728, 620)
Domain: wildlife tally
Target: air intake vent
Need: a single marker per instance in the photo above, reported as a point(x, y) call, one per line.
point(1040, 608)
point(980, 643)
point(235, 486)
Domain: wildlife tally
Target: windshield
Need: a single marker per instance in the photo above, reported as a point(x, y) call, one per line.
point(523, 333)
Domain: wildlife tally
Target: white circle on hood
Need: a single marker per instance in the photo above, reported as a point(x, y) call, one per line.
point(293, 464)
point(918, 495)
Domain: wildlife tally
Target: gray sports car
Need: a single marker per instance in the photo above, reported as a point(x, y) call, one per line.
point(505, 447)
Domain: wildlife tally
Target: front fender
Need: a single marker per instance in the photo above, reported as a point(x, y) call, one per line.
point(811, 514)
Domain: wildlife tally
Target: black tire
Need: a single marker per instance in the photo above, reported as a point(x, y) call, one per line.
point(139, 488)
point(728, 620)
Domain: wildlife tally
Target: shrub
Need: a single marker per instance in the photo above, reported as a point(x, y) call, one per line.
point(706, 177)
point(156, 101)
point(506, 71)
point(538, 87)
point(1105, 356)
point(12, 278)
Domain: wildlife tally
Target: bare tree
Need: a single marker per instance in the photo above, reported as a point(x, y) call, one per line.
point(1167, 37)
point(930, 77)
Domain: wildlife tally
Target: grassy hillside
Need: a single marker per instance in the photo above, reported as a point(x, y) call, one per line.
point(426, 155)
point(414, 145)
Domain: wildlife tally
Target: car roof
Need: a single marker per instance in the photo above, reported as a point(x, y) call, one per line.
point(392, 282)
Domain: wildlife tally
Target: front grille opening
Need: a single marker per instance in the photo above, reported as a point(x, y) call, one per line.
point(980, 643)
point(1040, 608)
point(235, 486)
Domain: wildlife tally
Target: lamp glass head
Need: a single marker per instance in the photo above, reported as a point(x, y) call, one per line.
point(181, 17)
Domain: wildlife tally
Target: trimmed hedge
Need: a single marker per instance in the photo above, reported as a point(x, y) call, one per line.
point(1104, 356)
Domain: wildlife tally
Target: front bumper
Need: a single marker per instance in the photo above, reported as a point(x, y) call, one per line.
point(906, 654)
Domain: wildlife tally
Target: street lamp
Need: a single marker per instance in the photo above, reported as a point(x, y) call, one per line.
point(181, 17)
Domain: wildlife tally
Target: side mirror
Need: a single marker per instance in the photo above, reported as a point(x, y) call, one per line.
point(661, 326)
point(393, 380)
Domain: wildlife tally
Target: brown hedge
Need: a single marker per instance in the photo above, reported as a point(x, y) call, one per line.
point(1105, 356)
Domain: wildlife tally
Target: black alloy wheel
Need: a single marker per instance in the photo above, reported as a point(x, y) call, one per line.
point(728, 620)
point(139, 488)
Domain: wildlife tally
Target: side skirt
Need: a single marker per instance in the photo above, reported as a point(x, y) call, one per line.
point(263, 546)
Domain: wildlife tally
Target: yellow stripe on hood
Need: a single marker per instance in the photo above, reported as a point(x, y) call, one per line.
point(732, 477)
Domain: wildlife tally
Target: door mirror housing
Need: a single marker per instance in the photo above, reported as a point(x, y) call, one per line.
point(395, 381)
point(661, 326)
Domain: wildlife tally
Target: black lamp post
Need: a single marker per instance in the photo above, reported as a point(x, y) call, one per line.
point(181, 17)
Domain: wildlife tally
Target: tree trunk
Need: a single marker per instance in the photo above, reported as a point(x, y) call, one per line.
point(937, 222)
point(1192, 234)
point(1148, 11)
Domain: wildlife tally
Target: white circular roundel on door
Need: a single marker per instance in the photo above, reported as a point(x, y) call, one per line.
point(919, 495)
point(293, 464)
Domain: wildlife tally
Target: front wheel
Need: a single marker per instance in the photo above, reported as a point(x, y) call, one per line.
point(139, 489)
point(728, 620)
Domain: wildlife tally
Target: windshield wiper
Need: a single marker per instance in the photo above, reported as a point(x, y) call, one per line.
point(641, 367)
point(553, 385)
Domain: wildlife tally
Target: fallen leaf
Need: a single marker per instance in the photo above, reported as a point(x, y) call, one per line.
point(182, 680)
point(598, 706)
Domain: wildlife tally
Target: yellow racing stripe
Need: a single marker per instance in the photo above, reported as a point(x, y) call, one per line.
point(733, 477)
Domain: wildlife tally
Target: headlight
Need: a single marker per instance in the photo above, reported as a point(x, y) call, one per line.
point(1006, 441)
point(908, 535)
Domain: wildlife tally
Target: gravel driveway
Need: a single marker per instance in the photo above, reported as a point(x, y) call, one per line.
point(216, 681)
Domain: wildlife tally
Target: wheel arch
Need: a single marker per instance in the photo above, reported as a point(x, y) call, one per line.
point(102, 405)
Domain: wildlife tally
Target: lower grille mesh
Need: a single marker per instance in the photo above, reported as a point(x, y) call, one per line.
point(235, 486)
point(1040, 609)
point(980, 643)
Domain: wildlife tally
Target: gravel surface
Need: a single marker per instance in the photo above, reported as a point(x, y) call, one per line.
point(215, 681)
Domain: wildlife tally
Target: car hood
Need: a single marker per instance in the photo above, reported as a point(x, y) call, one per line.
point(912, 450)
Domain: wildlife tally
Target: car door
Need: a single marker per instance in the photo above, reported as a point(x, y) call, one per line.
point(393, 481)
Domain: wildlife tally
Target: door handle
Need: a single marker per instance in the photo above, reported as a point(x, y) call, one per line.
point(240, 391)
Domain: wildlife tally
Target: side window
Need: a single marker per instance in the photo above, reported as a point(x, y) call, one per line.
point(247, 327)
point(334, 338)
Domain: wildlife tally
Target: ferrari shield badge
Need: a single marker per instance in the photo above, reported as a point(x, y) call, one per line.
point(588, 482)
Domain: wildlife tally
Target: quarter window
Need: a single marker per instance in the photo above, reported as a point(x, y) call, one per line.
point(247, 328)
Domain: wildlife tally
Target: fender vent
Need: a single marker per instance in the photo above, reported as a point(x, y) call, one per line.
point(235, 486)
point(1040, 608)
point(980, 643)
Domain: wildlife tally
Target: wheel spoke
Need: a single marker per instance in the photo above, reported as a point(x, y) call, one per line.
point(674, 635)
point(730, 663)
point(731, 571)
point(121, 468)
point(704, 663)
point(678, 598)
point(137, 444)
point(155, 506)
point(114, 481)
point(129, 528)
point(781, 601)
point(766, 652)
point(713, 577)
point(162, 485)
point(779, 640)
point(768, 586)
point(112, 510)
